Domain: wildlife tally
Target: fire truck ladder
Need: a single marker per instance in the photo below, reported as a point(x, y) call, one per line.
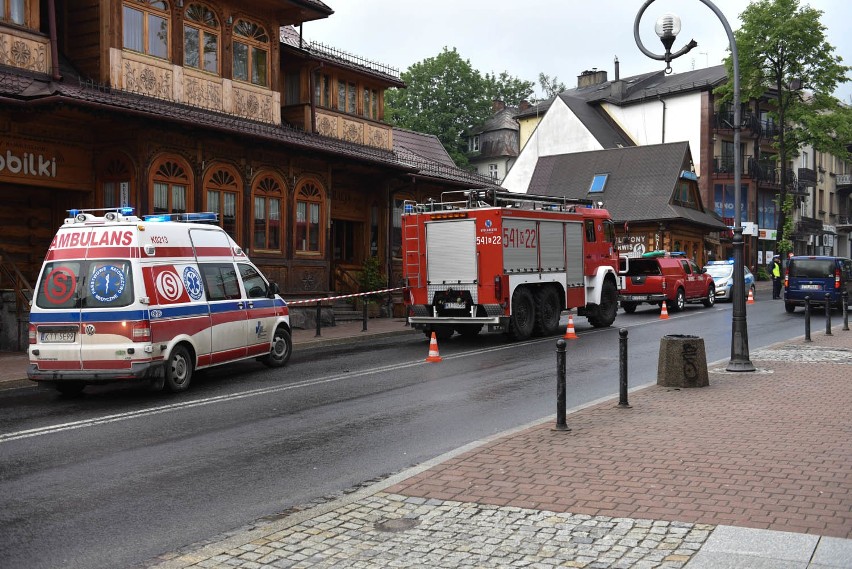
point(412, 254)
point(459, 199)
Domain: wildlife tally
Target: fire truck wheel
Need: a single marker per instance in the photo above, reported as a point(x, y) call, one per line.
point(522, 322)
point(282, 347)
point(469, 330)
point(679, 301)
point(178, 370)
point(547, 311)
point(603, 314)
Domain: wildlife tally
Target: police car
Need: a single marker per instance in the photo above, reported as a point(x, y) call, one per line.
point(123, 298)
point(723, 277)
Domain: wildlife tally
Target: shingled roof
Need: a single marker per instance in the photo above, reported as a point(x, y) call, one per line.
point(640, 184)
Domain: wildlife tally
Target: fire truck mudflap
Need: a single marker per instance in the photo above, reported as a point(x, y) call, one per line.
point(511, 262)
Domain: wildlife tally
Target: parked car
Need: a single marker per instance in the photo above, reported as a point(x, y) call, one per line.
point(816, 276)
point(723, 276)
point(662, 276)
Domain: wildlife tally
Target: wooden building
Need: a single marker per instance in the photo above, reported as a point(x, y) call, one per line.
point(173, 106)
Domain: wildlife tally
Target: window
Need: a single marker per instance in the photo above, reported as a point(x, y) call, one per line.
point(322, 90)
point(473, 144)
point(201, 38)
point(598, 183)
point(685, 195)
point(220, 281)
point(309, 209)
point(115, 184)
point(222, 193)
point(251, 53)
point(146, 27)
point(12, 11)
point(346, 97)
point(371, 104)
point(589, 225)
point(253, 282)
point(492, 171)
point(292, 88)
point(266, 217)
point(171, 188)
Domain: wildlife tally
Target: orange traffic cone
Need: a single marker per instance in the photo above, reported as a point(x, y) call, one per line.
point(750, 297)
point(664, 312)
point(433, 350)
point(569, 333)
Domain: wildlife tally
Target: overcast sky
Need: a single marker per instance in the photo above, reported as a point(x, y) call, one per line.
point(557, 37)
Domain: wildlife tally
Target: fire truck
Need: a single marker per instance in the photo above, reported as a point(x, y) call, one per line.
point(507, 261)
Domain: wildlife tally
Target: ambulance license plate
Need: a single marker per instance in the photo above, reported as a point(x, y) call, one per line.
point(59, 336)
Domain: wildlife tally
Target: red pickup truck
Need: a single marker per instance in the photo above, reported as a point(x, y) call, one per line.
point(661, 276)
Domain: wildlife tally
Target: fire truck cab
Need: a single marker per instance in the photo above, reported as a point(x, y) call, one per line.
point(511, 262)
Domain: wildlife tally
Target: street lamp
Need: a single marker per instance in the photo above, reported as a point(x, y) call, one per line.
point(667, 28)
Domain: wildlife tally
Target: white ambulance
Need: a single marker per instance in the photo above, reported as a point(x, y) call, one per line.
point(122, 298)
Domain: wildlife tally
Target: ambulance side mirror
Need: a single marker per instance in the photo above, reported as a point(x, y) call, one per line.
point(273, 290)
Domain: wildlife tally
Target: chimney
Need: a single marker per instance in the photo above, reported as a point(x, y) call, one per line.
point(616, 68)
point(524, 105)
point(497, 105)
point(590, 78)
point(617, 89)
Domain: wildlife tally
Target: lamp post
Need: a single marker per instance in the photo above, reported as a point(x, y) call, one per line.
point(667, 28)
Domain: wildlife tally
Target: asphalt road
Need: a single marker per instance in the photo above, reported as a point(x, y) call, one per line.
point(121, 475)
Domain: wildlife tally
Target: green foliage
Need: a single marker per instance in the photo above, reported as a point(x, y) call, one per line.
point(762, 274)
point(445, 96)
point(371, 277)
point(551, 86)
point(784, 243)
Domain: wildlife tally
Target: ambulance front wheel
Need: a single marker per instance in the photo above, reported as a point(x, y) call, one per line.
point(282, 348)
point(178, 371)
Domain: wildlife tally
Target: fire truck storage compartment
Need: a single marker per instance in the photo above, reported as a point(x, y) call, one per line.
point(574, 254)
point(451, 256)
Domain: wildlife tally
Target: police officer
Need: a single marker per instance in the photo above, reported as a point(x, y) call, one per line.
point(776, 277)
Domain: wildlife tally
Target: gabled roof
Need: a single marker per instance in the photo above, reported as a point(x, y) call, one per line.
point(640, 184)
point(426, 152)
point(501, 120)
point(427, 146)
point(597, 122)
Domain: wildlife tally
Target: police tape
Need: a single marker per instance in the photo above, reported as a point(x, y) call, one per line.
point(325, 298)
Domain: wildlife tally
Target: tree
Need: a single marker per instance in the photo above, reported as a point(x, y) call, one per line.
point(445, 96)
point(783, 54)
point(550, 85)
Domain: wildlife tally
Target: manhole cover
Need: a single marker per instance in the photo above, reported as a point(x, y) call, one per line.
point(398, 524)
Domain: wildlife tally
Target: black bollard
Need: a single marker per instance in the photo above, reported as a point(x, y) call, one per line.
point(561, 421)
point(827, 314)
point(622, 369)
point(845, 296)
point(319, 318)
point(807, 319)
point(364, 316)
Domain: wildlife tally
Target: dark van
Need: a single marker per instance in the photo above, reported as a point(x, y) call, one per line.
point(816, 277)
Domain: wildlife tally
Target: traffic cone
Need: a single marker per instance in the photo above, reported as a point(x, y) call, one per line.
point(750, 297)
point(433, 350)
point(664, 312)
point(569, 333)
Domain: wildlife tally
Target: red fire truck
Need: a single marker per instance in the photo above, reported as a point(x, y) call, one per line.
point(511, 262)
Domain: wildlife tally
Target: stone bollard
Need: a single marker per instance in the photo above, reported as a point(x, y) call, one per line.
point(682, 362)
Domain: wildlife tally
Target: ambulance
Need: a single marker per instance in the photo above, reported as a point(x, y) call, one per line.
point(123, 298)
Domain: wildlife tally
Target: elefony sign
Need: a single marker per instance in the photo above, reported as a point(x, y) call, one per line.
point(31, 162)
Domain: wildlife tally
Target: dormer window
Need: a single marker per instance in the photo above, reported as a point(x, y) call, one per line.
point(12, 11)
point(146, 27)
point(473, 143)
point(201, 38)
point(251, 53)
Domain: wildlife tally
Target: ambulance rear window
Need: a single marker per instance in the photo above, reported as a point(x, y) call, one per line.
point(85, 284)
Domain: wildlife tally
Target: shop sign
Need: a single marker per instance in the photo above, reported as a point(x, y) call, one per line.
point(767, 234)
point(40, 163)
point(633, 245)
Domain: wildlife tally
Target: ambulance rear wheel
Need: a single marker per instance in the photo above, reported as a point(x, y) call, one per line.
point(178, 372)
point(282, 348)
point(548, 308)
point(522, 322)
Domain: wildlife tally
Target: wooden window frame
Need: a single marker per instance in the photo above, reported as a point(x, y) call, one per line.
point(199, 27)
point(310, 192)
point(171, 170)
point(6, 14)
point(147, 9)
point(224, 179)
point(116, 169)
point(251, 42)
point(269, 186)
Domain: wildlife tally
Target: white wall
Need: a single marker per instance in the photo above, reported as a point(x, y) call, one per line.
point(643, 122)
point(559, 132)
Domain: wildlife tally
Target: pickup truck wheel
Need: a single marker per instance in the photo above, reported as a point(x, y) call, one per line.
point(603, 314)
point(789, 307)
point(711, 297)
point(523, 314)
point(679, 301)
point(548, 308)
point(178, 370)
point(282, 348)
point(629, 307)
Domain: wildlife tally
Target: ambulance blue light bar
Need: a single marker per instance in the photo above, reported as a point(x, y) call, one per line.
point(200, 217)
